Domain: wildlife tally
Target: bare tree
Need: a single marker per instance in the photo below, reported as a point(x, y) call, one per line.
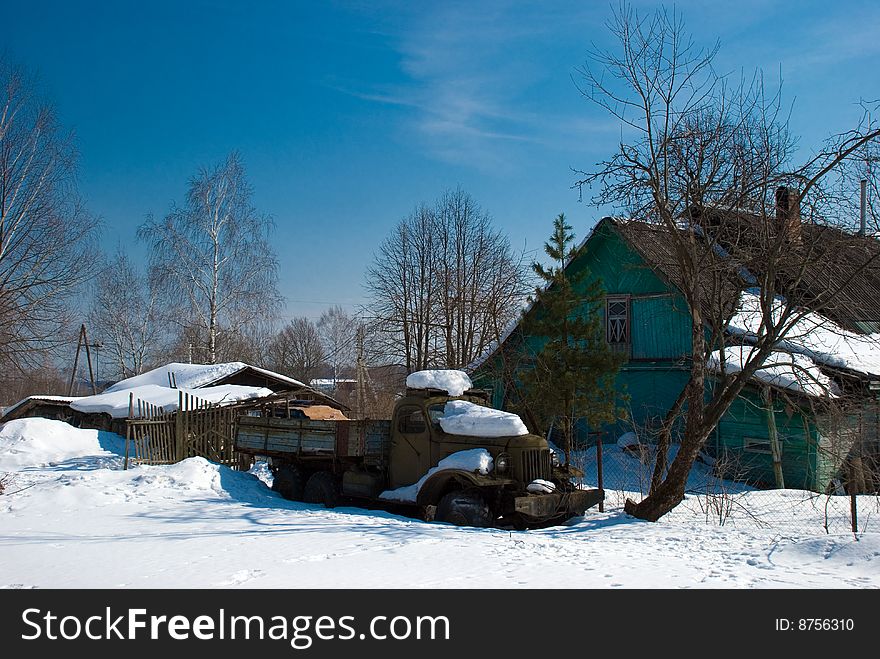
point(125, 317)
point(17, 383)
point(445, 284)
point(705, 168)
point(402, 285)
point(296, 350)
point(338, 330)
point(46, 235)
point(213, 259)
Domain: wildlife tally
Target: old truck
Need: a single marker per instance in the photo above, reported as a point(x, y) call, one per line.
point(413, 465)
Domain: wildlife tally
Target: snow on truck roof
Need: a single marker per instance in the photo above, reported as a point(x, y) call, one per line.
point(453, 382)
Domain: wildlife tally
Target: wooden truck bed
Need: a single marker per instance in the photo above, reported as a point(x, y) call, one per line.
point(367, 439)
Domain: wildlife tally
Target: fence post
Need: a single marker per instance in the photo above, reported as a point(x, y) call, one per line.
point(599, 479)
point(854, 513)
point(179, 428)
point(128, 429)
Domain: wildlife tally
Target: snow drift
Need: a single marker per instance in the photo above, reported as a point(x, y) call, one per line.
point(36, 442)
point(196, 524)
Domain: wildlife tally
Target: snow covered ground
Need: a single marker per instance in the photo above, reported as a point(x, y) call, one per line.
point(71, 518)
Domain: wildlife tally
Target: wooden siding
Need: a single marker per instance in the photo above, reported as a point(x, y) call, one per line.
point(660, 328)
point(747, 418)
point(620, 268)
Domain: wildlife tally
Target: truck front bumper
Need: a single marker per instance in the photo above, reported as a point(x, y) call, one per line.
point(542, 507)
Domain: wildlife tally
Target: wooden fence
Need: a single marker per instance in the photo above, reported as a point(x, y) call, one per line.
point(196, 428)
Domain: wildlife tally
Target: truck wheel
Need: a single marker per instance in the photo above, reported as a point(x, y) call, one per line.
point(289, 482)
point(322, 488)
point(464, 508)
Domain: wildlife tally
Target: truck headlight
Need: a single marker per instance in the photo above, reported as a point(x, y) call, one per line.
point(554, 459)
point(502, 463)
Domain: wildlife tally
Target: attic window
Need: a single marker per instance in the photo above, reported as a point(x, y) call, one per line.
point(617, 320)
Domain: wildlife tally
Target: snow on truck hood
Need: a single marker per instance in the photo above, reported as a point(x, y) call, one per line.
point(461, 417)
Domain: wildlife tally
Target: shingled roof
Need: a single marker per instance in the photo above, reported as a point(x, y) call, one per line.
point(720, 277)
point(822, 267)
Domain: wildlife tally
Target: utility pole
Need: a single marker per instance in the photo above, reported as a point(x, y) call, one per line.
point(364, 384)
point(83, 341)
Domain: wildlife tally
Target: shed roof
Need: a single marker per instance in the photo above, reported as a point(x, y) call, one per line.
point(25, 404)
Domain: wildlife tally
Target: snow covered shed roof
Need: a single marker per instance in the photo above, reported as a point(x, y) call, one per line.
point(197, 376)
point(218, 383)
point(201, 376)
point(47, 406)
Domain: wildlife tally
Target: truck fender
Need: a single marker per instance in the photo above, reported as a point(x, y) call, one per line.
point(447, 480)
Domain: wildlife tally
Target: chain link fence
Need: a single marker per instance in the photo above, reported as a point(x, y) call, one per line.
point(714, 500)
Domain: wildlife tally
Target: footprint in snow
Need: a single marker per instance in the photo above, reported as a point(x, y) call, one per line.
point(242, 576)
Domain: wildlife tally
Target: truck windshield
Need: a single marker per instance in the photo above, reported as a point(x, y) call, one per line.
point(435, 412)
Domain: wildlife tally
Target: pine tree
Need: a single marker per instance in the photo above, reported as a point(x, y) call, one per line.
point(574, 369)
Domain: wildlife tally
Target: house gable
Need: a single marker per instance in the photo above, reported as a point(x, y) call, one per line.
point(659, 323)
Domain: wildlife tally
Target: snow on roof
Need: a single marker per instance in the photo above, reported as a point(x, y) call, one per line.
point(115, 403)
point(781, 369)
point(813, 336)
point(193, 376)
point(49, 399)
point(475, 459)
point(461, 417)
point(329, 382)
point(455, 383)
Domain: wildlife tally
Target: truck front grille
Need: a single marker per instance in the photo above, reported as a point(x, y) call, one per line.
point(536, 464)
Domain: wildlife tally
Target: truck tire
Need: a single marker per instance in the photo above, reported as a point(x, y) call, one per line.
point(289, 482)
point(322, 488)
point(464, 508)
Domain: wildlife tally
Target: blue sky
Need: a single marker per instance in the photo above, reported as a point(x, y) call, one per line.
point(347, 115)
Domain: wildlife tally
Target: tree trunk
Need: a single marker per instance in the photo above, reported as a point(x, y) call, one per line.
point(669, 492)
point(661, 460)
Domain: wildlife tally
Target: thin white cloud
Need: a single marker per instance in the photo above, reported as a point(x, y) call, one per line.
point(470, 74)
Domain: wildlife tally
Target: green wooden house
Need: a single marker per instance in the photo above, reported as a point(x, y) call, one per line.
point(646, 317)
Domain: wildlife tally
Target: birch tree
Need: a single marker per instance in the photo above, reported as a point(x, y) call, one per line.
point(337, 330)
point(125, 317)
point(213, 259)
point(47, 238)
